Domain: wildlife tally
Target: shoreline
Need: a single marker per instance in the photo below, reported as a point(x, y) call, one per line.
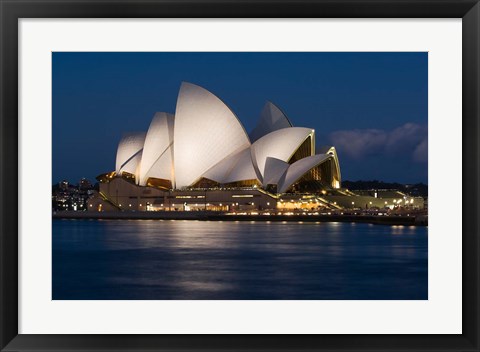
point(213, 216)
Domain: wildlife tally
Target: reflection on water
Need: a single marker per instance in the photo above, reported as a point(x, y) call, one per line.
point(152, 259)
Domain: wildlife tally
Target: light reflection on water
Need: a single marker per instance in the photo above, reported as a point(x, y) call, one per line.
point(150, 259)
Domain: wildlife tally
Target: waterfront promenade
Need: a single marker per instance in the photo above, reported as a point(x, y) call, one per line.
point(216, 216)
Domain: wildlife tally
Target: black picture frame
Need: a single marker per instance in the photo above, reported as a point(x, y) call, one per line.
point(12, 10)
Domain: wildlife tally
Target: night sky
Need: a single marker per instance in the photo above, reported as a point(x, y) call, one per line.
point(372, 107)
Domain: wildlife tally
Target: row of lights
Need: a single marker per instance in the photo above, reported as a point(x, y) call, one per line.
point(208, 204)
point(281, 201)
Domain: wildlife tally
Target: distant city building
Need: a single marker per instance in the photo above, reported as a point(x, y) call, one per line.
point(63, 185)
point(85, 185)
point(69, 197)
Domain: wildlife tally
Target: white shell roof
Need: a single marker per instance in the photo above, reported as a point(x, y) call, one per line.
point(129, 152)
point(274, 170)
point(157, 158)
point(332, 151)
point(133, 166)
point(271, 119)
point(220, 171)
point(280, 144)
point(206, 131)
point(299, 168)
point(237, 167)
point(243, 169)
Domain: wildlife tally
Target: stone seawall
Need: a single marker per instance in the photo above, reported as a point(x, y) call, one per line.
point(214, 216)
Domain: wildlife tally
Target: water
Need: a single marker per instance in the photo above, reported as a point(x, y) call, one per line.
point(156, 260)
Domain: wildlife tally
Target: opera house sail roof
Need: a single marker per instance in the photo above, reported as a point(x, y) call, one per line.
point(204, 144)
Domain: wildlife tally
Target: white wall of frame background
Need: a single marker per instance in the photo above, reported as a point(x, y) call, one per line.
point(440, 314)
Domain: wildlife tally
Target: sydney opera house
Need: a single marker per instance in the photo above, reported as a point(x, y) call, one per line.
point(202, 158)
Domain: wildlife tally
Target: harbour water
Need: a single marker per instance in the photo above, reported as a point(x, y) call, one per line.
point(226, 260)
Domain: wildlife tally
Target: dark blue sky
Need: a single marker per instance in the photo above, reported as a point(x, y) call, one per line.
point(371, 106)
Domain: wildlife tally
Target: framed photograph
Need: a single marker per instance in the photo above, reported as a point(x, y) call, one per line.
point(239, 176)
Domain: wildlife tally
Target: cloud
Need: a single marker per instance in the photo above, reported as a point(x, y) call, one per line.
point(408, 139)
point(420, 154)
point(357, 143)
point(405, 137)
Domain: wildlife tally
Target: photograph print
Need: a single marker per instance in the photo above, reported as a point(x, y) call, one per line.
point(240, 176)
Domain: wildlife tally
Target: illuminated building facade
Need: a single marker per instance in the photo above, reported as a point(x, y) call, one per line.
point(204, 147)
point(202, 159)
